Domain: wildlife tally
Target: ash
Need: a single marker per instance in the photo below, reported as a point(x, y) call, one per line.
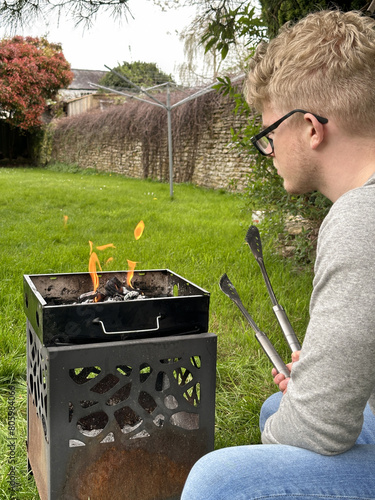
point(126, 295)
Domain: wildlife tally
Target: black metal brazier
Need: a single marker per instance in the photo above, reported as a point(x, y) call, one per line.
point(121, 395)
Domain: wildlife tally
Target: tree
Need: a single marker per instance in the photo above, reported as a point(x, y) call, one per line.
point(215, 35)
point(278, 12)
point(204, 64)
point(230, 25)
point(141, 73)
point(31, 71)
point(15, 13)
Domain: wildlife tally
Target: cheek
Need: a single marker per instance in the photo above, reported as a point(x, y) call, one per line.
point(289, 151)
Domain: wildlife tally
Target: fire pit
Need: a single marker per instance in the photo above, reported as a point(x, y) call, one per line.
point(168, 305)
point(121, 392)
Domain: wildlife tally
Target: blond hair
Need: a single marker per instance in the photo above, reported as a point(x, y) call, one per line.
point(325, 63)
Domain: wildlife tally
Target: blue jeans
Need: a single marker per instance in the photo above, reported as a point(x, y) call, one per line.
point(260, 472)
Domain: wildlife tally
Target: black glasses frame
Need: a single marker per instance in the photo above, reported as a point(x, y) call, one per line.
point(272, 127)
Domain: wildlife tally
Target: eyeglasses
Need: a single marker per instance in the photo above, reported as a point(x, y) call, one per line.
point(264, 144)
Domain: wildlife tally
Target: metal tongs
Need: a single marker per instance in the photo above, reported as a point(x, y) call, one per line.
point(228, 288)
point(253, 240)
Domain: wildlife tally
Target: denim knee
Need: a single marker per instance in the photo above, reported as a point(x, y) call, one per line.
point(270, 406)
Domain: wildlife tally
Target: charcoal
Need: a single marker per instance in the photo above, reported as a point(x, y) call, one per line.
point(114, 287)
point(91, 297)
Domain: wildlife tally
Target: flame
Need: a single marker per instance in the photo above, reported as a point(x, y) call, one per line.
point(103, 247)
point(109, 260)
point(93, 264)
point(130, 273)
point(65, 217)
point(138, 231)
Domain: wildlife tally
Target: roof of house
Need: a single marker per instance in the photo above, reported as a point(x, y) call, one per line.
point(82, 77)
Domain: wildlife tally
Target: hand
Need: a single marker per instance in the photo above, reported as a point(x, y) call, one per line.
point(279, 378)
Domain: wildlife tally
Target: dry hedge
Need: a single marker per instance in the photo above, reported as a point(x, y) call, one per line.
point(136, 121)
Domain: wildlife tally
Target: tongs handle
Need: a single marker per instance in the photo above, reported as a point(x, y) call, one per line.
point(272, 354)
point(228, 288)
point(265, 343)
point(286, 328)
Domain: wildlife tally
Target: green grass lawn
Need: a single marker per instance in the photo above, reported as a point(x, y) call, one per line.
point(198, 235)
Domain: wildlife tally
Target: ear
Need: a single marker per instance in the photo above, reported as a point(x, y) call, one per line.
point(315, 130)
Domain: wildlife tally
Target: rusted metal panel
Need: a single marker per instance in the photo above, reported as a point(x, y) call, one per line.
point(37, 451)
point(155, 470)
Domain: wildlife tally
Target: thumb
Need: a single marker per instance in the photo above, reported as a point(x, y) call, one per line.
point(295, 356)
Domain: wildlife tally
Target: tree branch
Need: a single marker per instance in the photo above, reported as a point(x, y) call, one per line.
point(19, 13)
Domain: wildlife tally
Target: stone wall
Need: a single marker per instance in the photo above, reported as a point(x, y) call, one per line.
point(208, 158)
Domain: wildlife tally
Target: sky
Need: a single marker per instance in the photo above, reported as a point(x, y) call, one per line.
point(150, 36)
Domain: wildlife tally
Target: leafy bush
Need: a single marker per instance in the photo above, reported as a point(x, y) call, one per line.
point(32, 70)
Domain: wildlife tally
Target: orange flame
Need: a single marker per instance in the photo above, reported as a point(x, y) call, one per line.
point(93, 264)
point(138, 231)
point(103, 247)
point(130, 273)
point(65, 220)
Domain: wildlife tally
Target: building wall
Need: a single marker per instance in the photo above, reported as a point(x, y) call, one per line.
point(86, 103)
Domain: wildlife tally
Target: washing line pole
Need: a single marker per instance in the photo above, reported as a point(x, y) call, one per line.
point(167, 107)
point(169, 118)
point(170, 143)
point(158, 103)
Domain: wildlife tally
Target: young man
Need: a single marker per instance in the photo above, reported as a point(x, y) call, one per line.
point(314, 85)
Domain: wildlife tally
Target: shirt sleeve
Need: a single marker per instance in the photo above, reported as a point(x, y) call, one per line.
point(323, 408)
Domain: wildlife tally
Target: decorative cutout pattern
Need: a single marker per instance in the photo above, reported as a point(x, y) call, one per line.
point(107, 402)
point(37, 378)
point(148, 396)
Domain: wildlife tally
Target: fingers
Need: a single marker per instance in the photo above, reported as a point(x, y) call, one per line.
point(280, 380)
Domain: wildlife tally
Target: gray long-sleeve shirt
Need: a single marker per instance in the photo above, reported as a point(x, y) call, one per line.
point(323, 408)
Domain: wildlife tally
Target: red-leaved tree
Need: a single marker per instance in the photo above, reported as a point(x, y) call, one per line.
point(31, 71)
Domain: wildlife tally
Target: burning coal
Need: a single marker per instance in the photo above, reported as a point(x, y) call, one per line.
point(114, 290)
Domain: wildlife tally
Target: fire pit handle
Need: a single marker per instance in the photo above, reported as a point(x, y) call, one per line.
point(97, 321)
